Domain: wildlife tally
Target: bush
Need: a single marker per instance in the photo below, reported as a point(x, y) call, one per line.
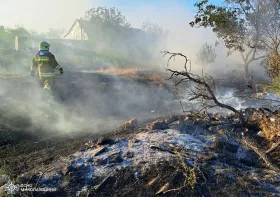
point(272, 65)
point(273, 87)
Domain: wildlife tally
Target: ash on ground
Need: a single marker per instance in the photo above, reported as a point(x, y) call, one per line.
point(173, 156)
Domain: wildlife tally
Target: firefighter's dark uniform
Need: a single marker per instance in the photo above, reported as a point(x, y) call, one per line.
point(46, 64)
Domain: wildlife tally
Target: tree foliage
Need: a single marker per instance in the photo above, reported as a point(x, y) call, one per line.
point(17, 31)
point(7, 35)
point(272, 65)
point(226, 21)
point(206, 54)
point(154, 28)
point(54, 33)
point(243, 25)
point(107, 16)
point(12, 32)
point(275, 86)
point(271, 40)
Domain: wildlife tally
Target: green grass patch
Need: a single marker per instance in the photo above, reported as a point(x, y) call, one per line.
point(3, 171)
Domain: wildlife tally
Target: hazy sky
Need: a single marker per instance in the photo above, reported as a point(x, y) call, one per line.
point(173, 15)
point(42, 15)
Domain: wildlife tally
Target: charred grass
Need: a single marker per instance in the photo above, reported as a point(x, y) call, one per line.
point(24, 146)
point(166, 178)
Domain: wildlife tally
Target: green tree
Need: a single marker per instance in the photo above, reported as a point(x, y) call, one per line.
point(206, 55)
point(107, 16)
point(53, 33)
point(157, 36)
point(242, 25)
point(2, 31)
point(7, 35)
point(17, 31)
point(154, 28)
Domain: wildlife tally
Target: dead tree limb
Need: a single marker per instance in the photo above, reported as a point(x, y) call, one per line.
point(102, 182)
point(203, 88)
point(262, 154)
point(273, 147)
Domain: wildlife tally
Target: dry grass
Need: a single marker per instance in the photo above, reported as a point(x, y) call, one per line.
point(155, 77)
point(129, 72)
point(270, 127)
point(133, 73)
point(6, 75)
point(189, 173)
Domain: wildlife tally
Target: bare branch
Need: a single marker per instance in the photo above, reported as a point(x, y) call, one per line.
point(265, 157)
point(273, 147)
point(204, 90)
point(261, 57)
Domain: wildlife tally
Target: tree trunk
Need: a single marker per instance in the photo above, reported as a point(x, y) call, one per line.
point(246, 70)
point(246, 73)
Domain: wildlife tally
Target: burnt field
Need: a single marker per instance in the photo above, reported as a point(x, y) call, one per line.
point(159, 151)
point(86, 105)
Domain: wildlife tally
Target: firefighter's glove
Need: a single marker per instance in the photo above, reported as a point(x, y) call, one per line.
point(61, 70)
point(33, 73)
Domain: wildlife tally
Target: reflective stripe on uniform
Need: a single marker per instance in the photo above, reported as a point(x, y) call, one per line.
point(46, 74)
point(58, 67)
point(47, 88)
point(42, 59)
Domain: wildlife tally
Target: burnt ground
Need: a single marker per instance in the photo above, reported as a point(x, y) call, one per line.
point(24, 147)
point(217, 173)
point(25, 140)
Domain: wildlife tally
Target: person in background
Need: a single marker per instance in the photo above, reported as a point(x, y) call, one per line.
point(45, 63)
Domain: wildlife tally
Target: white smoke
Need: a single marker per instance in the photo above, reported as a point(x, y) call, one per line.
point(227, 96)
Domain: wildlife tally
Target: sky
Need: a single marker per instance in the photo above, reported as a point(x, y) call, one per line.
point(43, 15)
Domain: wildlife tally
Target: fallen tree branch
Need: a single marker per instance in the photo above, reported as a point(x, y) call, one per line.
point(162, 149)
point(176, 189)
point(273, 147)
point(203, 89)
point(102, 182)
point(48, 169)
point(265, 157)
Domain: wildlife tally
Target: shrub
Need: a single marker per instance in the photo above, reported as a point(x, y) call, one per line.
point(273, 87)
point(272, 64)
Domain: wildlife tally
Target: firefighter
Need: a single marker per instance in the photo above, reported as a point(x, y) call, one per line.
point(45, 63)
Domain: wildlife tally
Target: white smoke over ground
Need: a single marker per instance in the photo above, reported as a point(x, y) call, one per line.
point(227, 96)
point(98, 102)
point(84, 102)
point(22, 102)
